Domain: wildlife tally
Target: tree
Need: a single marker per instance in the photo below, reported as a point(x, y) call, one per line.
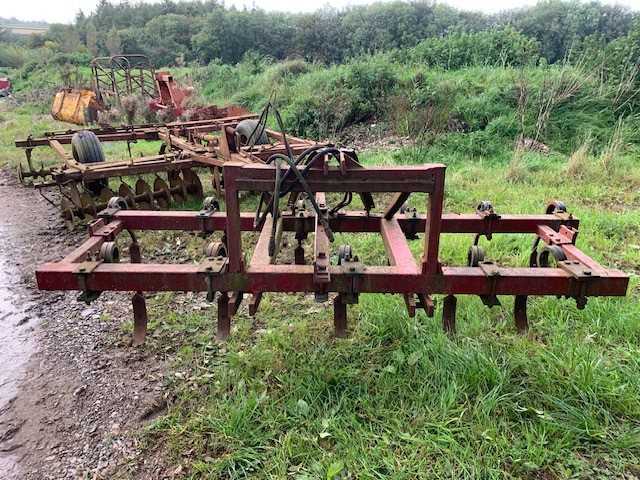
point(113, 43)
point(91, 38)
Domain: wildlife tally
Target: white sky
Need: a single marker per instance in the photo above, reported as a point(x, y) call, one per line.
point(64, 11)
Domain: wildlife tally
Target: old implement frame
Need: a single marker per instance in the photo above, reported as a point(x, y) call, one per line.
point(186, 145)
point(557, 269)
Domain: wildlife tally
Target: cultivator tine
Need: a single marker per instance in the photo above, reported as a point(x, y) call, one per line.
point(224, 319)
point(520, 313)
point(235, 302)
point(254, 303)
point(410, 302)
point(339, 317)
point(161, 193)
point(449, 315)
point(427, 304)
point(140, 319)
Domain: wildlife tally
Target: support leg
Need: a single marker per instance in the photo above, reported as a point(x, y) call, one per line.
point(520, 313)
point(340, 317)
point(224, 319)
point(140, 319)
point(449, 315)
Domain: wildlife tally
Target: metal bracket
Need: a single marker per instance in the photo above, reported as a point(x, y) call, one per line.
point(411, 214)
point(354, 268)
point(577, 270)
point(85, 268)
point(209, 207)
point(491, 270)
point(212, 266)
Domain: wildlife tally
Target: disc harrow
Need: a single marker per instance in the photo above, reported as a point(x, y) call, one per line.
point(224, 273)
point(185, 146)
point(77, 207)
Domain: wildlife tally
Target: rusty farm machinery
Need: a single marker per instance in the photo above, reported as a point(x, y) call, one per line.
point(83, 175)
point(319, 183)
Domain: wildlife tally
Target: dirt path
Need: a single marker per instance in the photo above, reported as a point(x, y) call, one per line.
point(71, 388)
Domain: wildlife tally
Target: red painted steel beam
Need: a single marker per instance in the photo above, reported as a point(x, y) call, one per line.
point(261, 177)
point(299, 278)
point(348, 222)
point(396, 246)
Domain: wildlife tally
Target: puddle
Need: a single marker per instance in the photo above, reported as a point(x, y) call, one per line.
point(16, 337)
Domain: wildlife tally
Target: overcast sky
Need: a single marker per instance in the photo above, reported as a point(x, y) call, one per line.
point(64, 11)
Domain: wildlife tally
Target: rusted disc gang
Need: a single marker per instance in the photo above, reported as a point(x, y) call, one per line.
point(162, 194)
point(143, 188)
point(88, 206)
point(125, 192)
point(178, 190)
point(66, 210)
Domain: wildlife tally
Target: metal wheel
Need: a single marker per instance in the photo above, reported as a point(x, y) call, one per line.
point(556, 205)
point(552, 251)
point(216, 249)
point(109, 252)
point(475, 255)
point(343, 253)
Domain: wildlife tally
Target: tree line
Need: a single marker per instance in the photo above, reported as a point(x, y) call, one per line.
point(204, 31)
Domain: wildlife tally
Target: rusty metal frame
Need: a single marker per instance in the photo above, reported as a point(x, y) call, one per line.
point(577, 277)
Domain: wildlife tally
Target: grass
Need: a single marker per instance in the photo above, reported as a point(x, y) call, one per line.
point(398, 399)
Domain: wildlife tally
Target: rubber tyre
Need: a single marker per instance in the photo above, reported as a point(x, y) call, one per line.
point(249, 130)
point(86, 148)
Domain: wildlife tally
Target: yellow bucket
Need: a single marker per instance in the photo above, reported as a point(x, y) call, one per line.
point(76, 106)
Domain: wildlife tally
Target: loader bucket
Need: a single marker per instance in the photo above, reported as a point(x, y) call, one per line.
point(76, 106)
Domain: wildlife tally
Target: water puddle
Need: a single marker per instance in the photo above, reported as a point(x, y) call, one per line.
point(16, 336)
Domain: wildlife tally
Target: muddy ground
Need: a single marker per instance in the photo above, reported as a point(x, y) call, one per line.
point(72, 390)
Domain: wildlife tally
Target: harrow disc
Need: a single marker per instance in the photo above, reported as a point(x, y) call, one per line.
point(125, 192)
point(76, 200)
point(162, 194)
point(105, 194)
point(66, 210)
point(178, 190)
point(143, 188)
point(88, 206)
point(195, 187)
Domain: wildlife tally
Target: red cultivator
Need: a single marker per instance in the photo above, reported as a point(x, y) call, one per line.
point(558, 269)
